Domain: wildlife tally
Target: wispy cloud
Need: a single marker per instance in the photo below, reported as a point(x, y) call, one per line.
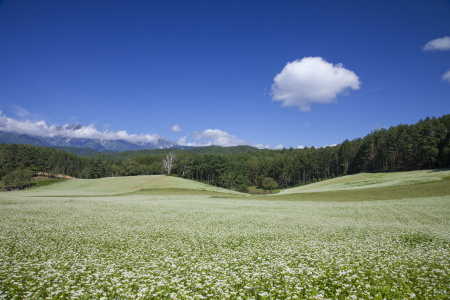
point(379, 126)
point(312, 80)
point(176, 128)
point(446, 76)
point(42, 129)
point(440, 44)
point(23, 113)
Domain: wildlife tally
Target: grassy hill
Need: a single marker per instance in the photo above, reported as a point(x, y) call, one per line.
point(146, 184)
point(370, 187)
point(370, 181)
point(359, 187)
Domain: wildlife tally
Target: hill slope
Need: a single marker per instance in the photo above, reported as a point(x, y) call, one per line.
point(370, 181)
point(123, 185)
point(359, 187)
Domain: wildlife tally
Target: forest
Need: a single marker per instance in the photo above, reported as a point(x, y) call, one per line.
point(423, 145)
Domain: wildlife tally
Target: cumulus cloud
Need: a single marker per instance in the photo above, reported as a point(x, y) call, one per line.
point(446, 76)
point(210, 137)
point(182, 140)
point(440, 44)
point(176, 128)
point(40, 128)
point(218, 137)
point(312, 80)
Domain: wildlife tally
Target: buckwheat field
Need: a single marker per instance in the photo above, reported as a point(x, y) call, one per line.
point(221, 245)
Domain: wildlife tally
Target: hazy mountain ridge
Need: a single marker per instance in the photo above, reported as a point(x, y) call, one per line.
point(101, 145)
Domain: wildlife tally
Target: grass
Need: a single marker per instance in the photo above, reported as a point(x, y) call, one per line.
point(112, 186)
point(371, 180)
point(162, 242)
point(46, 182)
point(183, 192)
point(386, 192)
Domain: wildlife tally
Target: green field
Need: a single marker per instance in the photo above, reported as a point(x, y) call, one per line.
point(114, 186)
point(372, 180)
point(365, 236)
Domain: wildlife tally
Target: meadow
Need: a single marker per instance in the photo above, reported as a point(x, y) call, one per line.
point(157, 237)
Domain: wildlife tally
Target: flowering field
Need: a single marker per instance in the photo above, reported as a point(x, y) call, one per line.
point(200, 246)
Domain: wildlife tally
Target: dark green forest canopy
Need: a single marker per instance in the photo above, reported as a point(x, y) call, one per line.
point(425, 144)
point(76, 150)
point(196, 150)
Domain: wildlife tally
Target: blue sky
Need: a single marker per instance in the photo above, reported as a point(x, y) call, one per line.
point(211, 67)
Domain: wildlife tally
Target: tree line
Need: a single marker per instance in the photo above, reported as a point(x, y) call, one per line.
point(425, 144)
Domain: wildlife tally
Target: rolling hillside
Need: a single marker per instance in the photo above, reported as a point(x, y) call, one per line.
point(371, 180)
point(359, 187)
point(112, 186)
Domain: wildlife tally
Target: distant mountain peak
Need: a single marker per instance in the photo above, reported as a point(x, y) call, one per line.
point(97, 144)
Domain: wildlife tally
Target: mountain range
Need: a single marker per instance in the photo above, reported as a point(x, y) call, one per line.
point(101, 145)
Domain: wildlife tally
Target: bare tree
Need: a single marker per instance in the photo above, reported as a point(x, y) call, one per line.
point(168, 162)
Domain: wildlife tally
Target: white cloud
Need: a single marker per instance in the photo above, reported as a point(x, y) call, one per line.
point(446, 76)
point(262, 146)
point(218, 137)
point(40, 128)
point(176, 128)
point(441, 44)
point(332, 145)
point(312, 80)
point(278, 147)
point(206, 137)
point(183, 142)
point(300, 147)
